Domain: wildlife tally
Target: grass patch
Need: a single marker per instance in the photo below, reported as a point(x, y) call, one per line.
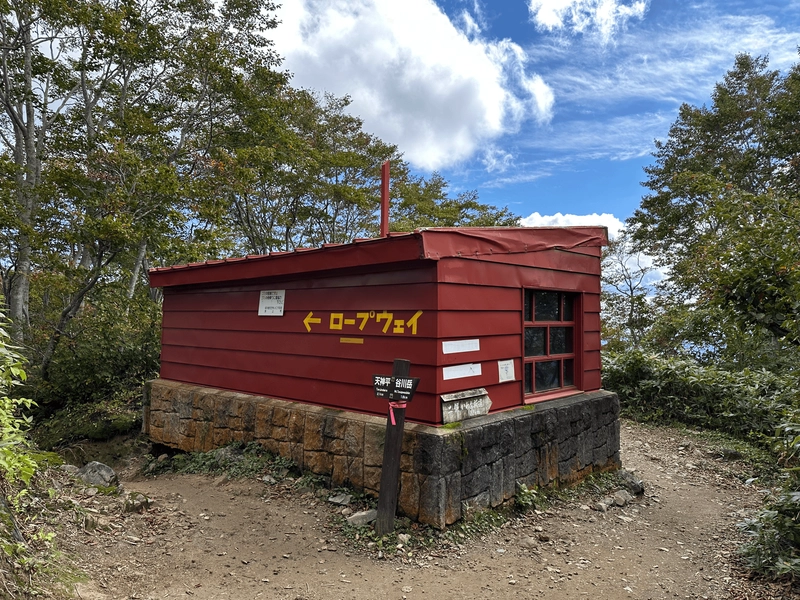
point(237, 460)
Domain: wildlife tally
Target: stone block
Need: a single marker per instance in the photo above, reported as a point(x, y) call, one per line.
point(284, 449)
point(280, 434)
point(496, 483)
point(146, 419)
point(221, 410)
point(567, 469)
point(296, 427)
point(374, 436)
point(247, 414)
point(408, 497)
point(157, 419)
point(528, 463)
point(339, 471)
point(476, 482)
point(296, 453)
point(372, 479)
point(263, 421)
point(509, 476)
point(428, 454)
point(203, 438)
point(335, 446)
point(522, 434)
point(221, 436)
point(407, 463)
point(235, 402)
point(203, 407)
point(354, 438)
point(432, 501)
point(280, 416)
point(313, 433)
point(184, 407)
point(452, 508)
point(157, 435)
point(355, 471)
point(548, 464)
point(319, 463)
point(453, 451)
point(472, 450)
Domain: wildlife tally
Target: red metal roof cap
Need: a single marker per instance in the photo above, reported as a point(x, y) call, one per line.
point(423, 244)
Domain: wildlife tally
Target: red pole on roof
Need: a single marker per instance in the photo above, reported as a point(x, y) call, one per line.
point(385, 199)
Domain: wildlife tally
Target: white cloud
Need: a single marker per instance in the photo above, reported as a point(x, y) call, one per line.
point(417, 80)
point(558, 220)
point(604, 17)
point(496, 159)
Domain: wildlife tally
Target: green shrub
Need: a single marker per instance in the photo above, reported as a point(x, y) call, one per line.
point(748, 403)
point(16, 459)
point(108, 351)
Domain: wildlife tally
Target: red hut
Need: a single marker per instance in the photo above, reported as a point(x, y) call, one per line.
point(509, 316)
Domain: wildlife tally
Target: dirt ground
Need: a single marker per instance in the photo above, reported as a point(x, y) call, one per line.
point(211, 539)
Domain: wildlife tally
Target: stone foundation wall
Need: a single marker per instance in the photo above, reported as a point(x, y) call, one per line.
point(477, 463)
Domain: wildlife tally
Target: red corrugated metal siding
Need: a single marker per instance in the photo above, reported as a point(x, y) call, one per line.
point(216, 338)
point(212, 334)
point(482, 299)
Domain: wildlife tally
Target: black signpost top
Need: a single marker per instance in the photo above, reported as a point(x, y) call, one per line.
point(396, 389)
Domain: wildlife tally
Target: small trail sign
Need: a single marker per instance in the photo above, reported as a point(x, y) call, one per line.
point(397, 389)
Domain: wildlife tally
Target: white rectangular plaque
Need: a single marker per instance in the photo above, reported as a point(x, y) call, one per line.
point(459, 371)
point(270, 303)
point(457, 346)
point(506, 370)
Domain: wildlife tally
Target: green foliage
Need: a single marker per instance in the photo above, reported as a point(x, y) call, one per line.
point(723, 214)
point(17, 461)
point(746, 403)
point(525, 498)
point(106, 353)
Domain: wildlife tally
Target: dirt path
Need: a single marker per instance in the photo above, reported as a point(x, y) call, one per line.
point(243, 539)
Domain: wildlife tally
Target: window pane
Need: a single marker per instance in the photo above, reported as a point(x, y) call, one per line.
point(527, 315)
point(547, 375)
point(547, 306)
point(569, 372)
point(560, 340)
point(534, 341)
point(568, 302)
point(528, 378)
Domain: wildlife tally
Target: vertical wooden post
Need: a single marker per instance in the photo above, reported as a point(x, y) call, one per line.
point(390, 470)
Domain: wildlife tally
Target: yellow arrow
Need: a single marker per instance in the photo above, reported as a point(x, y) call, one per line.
point(308, 320)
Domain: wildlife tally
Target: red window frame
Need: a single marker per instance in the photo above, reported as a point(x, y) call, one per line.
point(550, 343)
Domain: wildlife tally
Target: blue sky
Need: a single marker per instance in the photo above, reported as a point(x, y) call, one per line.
point(549, 107)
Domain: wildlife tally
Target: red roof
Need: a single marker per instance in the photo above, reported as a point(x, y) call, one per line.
point(423, 244)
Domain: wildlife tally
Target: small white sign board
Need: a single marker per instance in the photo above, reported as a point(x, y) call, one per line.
point(459, 371)
point(506, 370)
point(270, 303)
point(457, 346)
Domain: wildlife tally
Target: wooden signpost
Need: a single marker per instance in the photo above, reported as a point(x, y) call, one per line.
point(399, 389)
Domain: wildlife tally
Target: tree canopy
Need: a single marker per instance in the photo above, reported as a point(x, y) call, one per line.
point(137, 133)
point(723, 214)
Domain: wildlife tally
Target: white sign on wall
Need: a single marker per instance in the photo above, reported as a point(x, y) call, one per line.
point(270, 303)
point(459, 371)
point(461, 346)
point(506, 370)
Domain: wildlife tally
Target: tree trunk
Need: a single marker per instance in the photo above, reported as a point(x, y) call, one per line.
point(137, 266)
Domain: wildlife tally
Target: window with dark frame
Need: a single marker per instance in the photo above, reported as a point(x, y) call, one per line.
point(549, 349)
